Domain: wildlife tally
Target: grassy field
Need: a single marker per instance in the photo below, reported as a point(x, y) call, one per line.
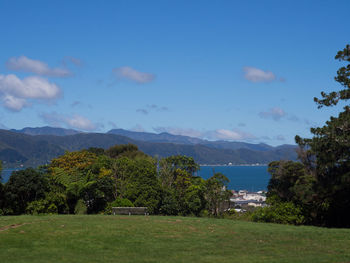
point(99, 238)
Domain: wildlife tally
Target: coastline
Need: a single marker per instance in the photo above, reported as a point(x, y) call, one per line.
point(233, 165)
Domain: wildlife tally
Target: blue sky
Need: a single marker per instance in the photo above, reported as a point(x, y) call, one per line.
point(233, 70)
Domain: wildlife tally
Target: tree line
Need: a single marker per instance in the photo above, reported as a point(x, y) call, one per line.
point(93, 181)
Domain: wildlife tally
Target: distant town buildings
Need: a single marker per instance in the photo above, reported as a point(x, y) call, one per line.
point(242, 199)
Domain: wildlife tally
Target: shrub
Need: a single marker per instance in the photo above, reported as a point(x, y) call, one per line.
point(37, 207)
point(282, 213)
point(52, 204)
point(80, 208)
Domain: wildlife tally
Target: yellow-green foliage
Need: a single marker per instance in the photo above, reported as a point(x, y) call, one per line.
point(71, 162)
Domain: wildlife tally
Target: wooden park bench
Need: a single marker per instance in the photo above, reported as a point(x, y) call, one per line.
point(129, 211)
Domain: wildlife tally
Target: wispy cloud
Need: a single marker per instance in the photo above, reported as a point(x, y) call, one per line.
point(258, 75)
point(113, 124)
point(38, 67)
point(75, 103)
point(17, 93)
point(218, 134)
point(231, 135)
point(3, 127)
point(275, 113)
point(131, 74)
point(280, 138)
point(143, 111)
point(75, 61)
point(137, 128)
point(75, 121)
point(152, 107)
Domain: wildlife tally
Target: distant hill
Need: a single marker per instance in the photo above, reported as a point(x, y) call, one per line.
point(19, 148)
point(180, 139)
point(47, 131)
point(153, 137)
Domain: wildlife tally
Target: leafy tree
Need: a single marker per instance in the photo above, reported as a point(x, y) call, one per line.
point(83, 175)
point(290, 182)
point(23, 187)
point(183, 193)
point(216, 192)
point(73, 162)
point(169, 204)
point(125, 150)
point(136, 180)
point(180, 162)
point(194, 199)
point(97, 151)
point(327, 155)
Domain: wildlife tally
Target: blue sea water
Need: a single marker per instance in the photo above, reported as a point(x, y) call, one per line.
point(6, 173)
point(251, 178)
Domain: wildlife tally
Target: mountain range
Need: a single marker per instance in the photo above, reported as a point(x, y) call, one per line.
point(37, 146)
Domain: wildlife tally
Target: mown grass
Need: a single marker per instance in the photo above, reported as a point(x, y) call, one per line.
point(99, 238)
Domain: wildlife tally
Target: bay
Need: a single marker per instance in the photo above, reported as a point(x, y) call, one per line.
point(6, 173)
point(251, 178)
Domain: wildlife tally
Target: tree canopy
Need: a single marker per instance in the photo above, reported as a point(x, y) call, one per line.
point(93, 180)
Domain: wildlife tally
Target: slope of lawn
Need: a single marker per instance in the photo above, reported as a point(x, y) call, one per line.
point(100, 238)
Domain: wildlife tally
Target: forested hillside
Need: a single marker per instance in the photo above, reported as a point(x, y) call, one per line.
point(18, 148)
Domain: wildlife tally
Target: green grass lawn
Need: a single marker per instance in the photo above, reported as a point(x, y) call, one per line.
point(98, 238)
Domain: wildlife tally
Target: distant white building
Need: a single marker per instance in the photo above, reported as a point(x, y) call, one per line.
point(245, 198)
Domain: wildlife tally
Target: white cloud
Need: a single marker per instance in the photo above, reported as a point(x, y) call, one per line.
point(137, 128)
point(3, 127)
point(258, 75)
point(133, 75)
point(13, 103)
point(231, 135)
point(75, 121)
point(219, 134)
point(16, 92)
point(152, 107)
point(26, 64)
point(275, 113)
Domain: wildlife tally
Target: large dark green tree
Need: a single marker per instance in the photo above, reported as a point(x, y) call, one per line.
point(327, 154)
point(24, 186)
point(320, 183)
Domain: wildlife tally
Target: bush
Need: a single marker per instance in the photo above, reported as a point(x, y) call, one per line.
point(52, 204)
point(38, 207)
point(229, 214)
point(169, 204)
point(282, 213)
point(80, 208)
